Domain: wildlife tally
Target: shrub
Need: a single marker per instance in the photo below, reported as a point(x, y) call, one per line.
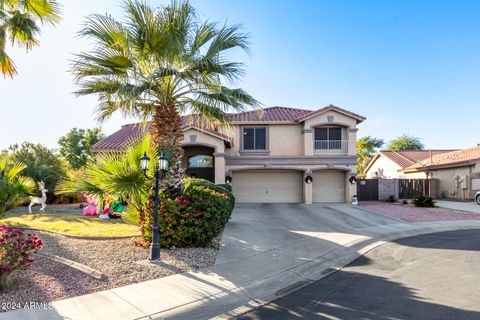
point(404, 201)
point(14, 187)
point(190, 220)
point(226, 186)
point(391, 199)
point(42, 164)
point(15, 246)
point(188, 182)
point(423, 201)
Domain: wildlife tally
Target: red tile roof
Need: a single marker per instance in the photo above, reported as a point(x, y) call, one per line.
point(455, 158)
point(280, 114)
point(131, 132)
point(406, 158)
point(334, 108)
point(121, 139)
point(286, 114)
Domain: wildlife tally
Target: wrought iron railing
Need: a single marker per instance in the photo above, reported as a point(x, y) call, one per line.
point(330, 146)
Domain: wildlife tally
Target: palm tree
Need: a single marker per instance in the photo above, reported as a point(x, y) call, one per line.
point(19, 24)
point(159, 63)
point(114, 174)
point(14, 188)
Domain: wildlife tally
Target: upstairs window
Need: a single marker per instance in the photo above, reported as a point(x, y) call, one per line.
point(254, 138)
point(328, 134)
point(328, 138)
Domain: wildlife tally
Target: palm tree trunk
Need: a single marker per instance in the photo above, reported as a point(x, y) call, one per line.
point(166, 132)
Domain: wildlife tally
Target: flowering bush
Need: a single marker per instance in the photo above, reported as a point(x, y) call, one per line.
point(192, 219)
point(15, 246)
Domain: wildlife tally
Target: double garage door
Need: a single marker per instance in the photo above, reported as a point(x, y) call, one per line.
point(271, 186)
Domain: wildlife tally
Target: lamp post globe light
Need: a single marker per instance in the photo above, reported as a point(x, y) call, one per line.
point(160, 172)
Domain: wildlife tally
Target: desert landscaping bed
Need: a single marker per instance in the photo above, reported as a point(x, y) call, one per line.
point(47, 280)
point(410, 213)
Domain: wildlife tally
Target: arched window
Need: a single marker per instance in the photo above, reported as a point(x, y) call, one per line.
point(200, 161)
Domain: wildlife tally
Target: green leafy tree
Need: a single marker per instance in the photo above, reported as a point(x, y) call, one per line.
point(42, 164)
point(158, 63)
point(19, 25)
point(366, 148)
point(14, 187)
point(75, 145)
point(405, 142)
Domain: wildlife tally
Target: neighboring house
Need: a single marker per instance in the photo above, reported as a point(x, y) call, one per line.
point(458, 172)
point(388, 164)
point(268, 154)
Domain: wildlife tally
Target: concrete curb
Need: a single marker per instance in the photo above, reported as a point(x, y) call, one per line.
point(75, 265)
point(79, 237)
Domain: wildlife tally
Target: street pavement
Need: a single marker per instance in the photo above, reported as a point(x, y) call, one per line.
point(433, 276)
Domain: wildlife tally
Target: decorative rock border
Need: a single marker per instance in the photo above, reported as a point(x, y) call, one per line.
point(75, 265)
point(80, 237)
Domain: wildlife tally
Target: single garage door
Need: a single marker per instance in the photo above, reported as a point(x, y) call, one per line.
point(267, 186)
point(329, 186)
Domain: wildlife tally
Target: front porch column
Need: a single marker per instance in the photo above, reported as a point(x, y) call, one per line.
point(307, 189)
point(350, 188)
point(219, 167)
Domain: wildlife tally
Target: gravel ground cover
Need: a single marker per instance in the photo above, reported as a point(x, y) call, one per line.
point(47, 281)
point(411, 213)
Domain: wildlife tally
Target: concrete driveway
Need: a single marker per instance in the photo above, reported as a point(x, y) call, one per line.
point(433, 276)
point(456, 205)
point(259, 227)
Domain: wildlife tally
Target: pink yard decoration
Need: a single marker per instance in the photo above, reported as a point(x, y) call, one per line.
point(91, 208)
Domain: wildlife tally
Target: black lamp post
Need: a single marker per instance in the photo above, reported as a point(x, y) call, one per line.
point(160, 172)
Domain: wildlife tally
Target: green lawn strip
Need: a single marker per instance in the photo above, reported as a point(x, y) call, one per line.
point(74, 224)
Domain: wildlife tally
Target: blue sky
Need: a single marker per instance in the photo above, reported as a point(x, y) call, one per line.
point(410, 67)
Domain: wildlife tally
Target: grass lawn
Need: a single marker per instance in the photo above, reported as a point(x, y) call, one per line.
point(70, 223)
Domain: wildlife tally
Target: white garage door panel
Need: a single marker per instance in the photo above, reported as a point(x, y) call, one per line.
point(329, 186)
point(267, 186)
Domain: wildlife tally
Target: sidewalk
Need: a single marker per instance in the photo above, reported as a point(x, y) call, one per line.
point(233, 287)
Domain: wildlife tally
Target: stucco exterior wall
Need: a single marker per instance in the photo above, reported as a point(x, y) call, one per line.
point(449, 188)
point(282, 140)
point(332, 118)
point(194, 137)
point(285, 140)
point(385, 166)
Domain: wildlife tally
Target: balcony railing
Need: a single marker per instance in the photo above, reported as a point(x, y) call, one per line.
point(330, 146)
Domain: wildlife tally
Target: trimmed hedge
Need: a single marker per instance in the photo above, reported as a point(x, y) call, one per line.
point(192, 219)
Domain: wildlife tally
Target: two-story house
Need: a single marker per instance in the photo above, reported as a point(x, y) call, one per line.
point(276, 155)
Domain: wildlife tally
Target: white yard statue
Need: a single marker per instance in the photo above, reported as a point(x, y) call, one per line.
point(36, 200)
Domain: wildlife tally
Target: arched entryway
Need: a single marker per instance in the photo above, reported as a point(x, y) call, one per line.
point(199, 162)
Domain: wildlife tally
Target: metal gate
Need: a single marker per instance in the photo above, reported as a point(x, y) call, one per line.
point(411, 188)
point(367, 189)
